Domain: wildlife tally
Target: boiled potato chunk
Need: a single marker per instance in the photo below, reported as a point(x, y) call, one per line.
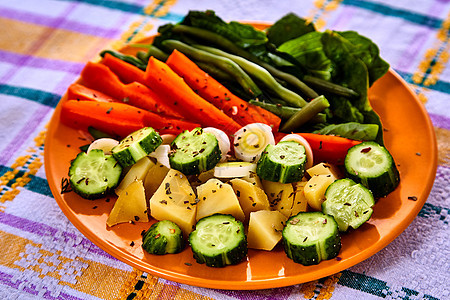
point(265, 228)
point(153, 178)
point(130, 206)
point(174, 200)
point(214, 196)
point(300, 203)
point(251, 197)
point(136, 172)
point(315, 190)
point(254, 179)
point(324, 169)
point(281, 196)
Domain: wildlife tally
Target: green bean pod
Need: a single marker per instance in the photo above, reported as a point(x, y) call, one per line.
point(308, 112)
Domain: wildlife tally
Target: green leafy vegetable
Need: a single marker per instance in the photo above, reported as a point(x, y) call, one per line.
point(287, 28)
point(352, 130)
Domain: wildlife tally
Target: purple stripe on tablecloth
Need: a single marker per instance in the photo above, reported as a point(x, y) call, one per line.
point(272, 294)
point(440, 121)
point(60, 22)
point(30, 288)
point(29, 127)
point(37, 62)
point(411, 53)
point(45, 230)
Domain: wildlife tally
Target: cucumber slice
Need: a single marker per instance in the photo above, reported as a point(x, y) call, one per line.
point(194, 152)
point(372, 165)
point(95, 174)
point(218, 240)
point(311, 237)
point(284, 162)
point(163, 237)
point(350, 203)
point(136, 145)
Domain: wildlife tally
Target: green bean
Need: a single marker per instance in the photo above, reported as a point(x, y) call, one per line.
point(227, 65)
point(233, 48)
point(310, 110)
point(261, 74)
point(151, 51)
point(285, 112)
point(330, 87)
point(126, 58)
point(215, 72)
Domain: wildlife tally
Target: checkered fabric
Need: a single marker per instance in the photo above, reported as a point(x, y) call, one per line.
point(44, 45)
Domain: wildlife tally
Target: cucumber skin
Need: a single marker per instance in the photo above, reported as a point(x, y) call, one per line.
point(125, 156)
point(381, 185)
point(154, 244)
point(308, 254)
point(232, 257)
point(276, 172)
point(96, 195)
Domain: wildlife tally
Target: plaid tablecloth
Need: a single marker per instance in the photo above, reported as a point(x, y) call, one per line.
point(44, 44)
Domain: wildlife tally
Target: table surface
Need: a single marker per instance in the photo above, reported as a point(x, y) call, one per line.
point(44, 45)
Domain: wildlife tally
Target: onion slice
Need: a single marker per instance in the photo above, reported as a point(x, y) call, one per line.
point(105, 144)
point(301, 140)
point(251, 140)
point(222, 138)
point(234, 169)
point(161, 154)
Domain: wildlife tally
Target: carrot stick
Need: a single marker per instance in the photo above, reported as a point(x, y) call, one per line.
point(101, 78)
point(329, 148)
point(117, 119)
point(126, 72)
point(214, 92)
point(79, 92)
point(179, 95)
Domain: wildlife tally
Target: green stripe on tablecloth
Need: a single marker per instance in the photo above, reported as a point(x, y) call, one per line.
point(410, 16)
point(439, 86)
point(39, 96)
point(374, 286)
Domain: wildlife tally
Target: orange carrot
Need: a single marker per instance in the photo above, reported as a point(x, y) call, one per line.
point(117, 119)
point(160, 77)
point(79, 92)
point(329, 148)
point(126, 72)
point(101, 78)
point(214, 92)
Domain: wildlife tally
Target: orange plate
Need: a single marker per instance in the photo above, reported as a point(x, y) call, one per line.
point(409, 136)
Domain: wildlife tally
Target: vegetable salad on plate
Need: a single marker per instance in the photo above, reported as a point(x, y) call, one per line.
point(224, 137)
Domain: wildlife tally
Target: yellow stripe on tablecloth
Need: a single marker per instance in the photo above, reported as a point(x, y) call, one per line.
point(434, 62)
point(443, 143)
point(319, 13)
point(80, 274)
point(46, 42)
point(320, 289)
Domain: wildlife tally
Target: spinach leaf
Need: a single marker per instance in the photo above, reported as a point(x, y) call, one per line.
point(243, 35)
point(308, 51)
point(352, 130)
point(352, 72)
point(287, 28)
point(368, 52)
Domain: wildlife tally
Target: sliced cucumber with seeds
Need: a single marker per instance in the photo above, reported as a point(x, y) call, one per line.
point(311, 237)
point(372, 165)
point(136, 145)
point(284, 162)
point(350, 203)
point(194, 151)
point(95, 174)
point(218, 240)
